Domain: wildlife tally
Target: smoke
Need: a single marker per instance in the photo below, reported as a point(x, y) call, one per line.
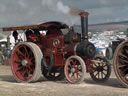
point(62, 8)
point(58, 6)
point(75, 11)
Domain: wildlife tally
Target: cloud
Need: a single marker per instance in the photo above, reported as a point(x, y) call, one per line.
point(108, 14)
point(22, 3)
point(22, 12)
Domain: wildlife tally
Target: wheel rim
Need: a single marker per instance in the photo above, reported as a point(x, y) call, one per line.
point(121, 63)
point(100, 69)
point(23, 63)
point(73, 70)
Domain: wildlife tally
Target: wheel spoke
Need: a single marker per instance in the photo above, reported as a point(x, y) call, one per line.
point(29, 67)
point(105, 70)
point(30, 55)
point(103, 73)
point(69, 66)
point(122, 55)
point(17, 62)
point(19, 52)
point(23, 72)
point(96, 73)
point(95, 64)
point(20, 69)
point(71, 62)
point(26, 51)
point(79, 69)
point(122, 60)
point(126, 50)
point(32, 59)
point(78, 75)
point(26, 74)
point(105, 65)
point(75, 76)
point(94, 70)
point(74, 62)
point(72, 75)
point(120, 66)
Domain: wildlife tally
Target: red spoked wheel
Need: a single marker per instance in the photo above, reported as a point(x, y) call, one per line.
point(75, 69)
point(26, 62)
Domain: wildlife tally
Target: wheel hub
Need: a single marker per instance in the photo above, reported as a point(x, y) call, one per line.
point(100, 69)
point(24, 62)
point(73, 70)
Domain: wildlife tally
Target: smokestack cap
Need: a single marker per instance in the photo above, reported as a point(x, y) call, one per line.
point(84, 14)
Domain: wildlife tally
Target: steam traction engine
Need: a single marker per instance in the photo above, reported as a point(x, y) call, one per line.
point(56, 54)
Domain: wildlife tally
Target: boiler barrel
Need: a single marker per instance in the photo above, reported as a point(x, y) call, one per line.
point(84, 48)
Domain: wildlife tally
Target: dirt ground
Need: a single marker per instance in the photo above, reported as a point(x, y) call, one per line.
point(9, 87)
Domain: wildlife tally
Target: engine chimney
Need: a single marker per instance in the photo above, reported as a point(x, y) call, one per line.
point(84, 25)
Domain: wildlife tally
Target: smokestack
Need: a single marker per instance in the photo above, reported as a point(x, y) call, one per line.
point(84, 25)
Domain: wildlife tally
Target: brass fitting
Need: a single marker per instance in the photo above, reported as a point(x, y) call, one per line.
point(84, 14)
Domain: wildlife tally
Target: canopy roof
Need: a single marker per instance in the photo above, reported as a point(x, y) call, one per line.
point(43, 26)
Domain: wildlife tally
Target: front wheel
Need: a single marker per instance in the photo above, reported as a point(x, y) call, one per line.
point(101, 69)
point(75, 69)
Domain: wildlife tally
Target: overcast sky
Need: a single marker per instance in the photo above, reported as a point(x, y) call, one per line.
point(25, 12)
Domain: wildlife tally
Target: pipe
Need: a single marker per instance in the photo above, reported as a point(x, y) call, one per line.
point(84, 25)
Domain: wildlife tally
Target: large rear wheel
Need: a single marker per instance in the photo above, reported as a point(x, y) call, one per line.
point(120, 63)
point(75, 69)
point(26, 62)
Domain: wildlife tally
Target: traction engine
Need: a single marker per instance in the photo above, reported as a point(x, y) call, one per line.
point(56, 54)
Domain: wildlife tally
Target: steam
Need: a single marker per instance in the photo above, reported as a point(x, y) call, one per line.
point(59, 6)
point(56, 5)
point(62, 8)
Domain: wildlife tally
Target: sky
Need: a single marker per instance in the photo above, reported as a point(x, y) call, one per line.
point(27, 12)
